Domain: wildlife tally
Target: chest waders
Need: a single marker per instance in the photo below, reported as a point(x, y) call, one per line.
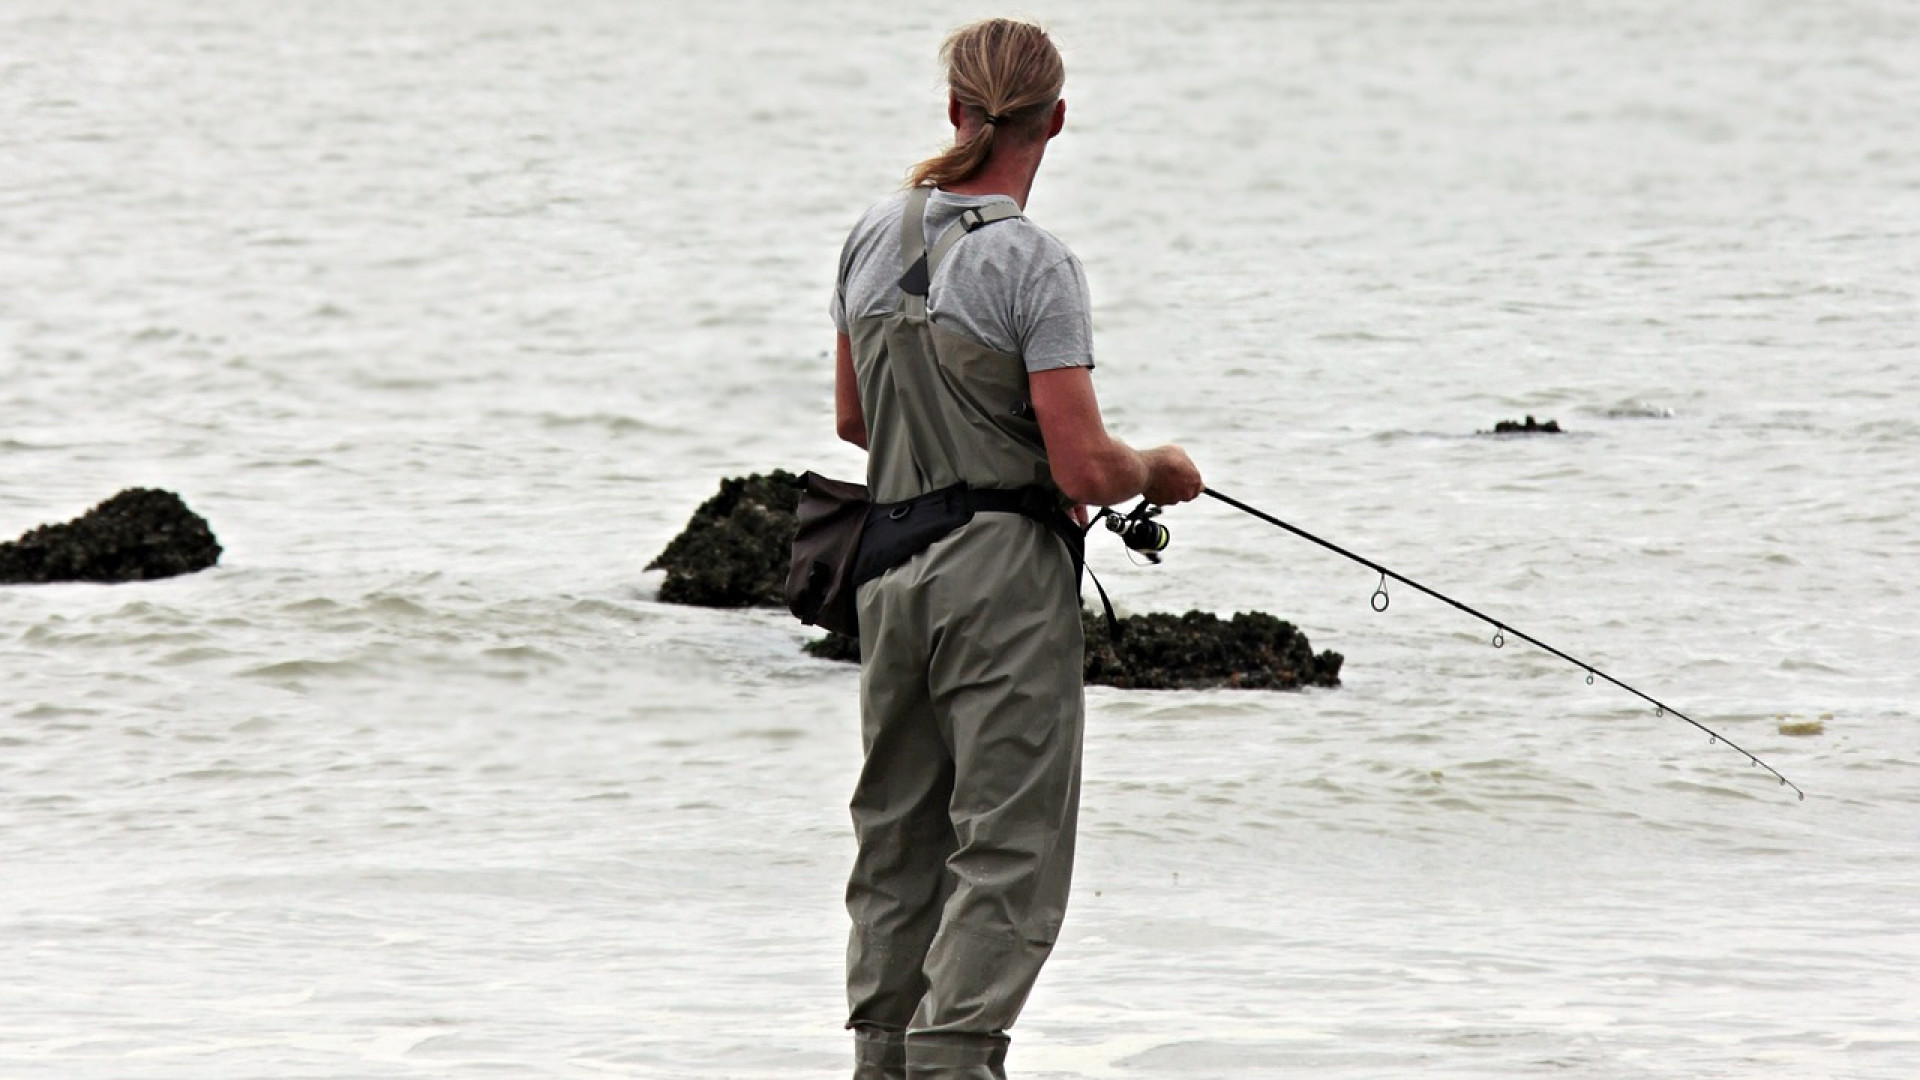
point(970, 694)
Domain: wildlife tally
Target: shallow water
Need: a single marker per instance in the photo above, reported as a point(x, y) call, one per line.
point(446, 317)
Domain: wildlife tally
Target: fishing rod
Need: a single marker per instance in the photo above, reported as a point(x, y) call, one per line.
point(1141, 533)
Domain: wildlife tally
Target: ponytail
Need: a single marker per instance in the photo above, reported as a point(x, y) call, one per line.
point(1008, 74)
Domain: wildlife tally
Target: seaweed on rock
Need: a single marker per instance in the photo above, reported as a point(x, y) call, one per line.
point(1251, 651)
point(734, 552)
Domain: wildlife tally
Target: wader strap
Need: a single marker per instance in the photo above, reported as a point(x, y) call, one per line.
point(913, 228)
point(970, 219)
point(915, 277)
point(917, 264)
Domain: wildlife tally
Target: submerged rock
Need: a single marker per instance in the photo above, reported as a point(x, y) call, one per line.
point(1251, 651)
point(138, 535)
point(735, 550)
point(1530, 427)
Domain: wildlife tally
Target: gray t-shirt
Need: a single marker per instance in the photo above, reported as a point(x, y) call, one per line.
point(1011, 286)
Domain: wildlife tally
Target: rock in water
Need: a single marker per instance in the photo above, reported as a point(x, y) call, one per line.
point(834, 647)
point(1252, 651)
point(736, 549)
point(1530, 427)
point(138, 535)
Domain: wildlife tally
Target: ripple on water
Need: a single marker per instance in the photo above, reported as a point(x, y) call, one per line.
point(294, 673)
point(50, 711)
point(227, 772)
point(197, 654)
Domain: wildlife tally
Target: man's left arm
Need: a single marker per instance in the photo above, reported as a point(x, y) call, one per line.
point(849, 421)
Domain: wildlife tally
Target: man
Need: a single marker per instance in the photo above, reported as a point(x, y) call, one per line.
point(963, 366)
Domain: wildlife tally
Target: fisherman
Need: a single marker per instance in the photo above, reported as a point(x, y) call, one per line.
point(962, 366)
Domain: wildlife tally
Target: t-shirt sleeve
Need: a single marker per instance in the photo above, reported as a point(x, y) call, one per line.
point(1054, 315)
point(864, 283)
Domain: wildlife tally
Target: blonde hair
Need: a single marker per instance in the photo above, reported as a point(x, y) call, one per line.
point(1010, 74)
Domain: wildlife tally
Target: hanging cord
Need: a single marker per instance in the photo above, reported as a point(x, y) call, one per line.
point(1379, 601)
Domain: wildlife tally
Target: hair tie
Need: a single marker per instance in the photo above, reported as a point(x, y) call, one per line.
point(992, 119)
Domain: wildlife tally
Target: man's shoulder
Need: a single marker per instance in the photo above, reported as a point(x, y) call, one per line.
point(1020, 237)
point(882, 213)
point(1021, 247)
point(1037, 239)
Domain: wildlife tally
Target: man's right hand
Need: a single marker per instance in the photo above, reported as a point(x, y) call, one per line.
point(1172, 477)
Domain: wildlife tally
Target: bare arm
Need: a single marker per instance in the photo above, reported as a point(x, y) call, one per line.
point(1093, 467)
point(848, 419)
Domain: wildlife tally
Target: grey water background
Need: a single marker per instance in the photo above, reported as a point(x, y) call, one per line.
point(447, 315)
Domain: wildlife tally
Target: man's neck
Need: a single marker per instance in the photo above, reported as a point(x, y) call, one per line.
point(1010, 172)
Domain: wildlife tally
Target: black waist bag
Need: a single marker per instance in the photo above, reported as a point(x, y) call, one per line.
point(820, 587)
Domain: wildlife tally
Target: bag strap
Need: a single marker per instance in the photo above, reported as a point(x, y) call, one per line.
point(1114, 631)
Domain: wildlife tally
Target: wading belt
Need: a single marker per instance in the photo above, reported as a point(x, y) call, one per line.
point(898, 531)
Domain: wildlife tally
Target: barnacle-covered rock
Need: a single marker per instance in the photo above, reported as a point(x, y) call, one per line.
point(138, 535)
point(1251, 651)
point(735, 550)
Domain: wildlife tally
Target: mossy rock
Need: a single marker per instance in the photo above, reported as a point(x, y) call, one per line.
point(140, 534)
point(735, 550)
point(1251, 651)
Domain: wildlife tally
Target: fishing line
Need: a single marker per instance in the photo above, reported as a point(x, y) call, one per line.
point(1501, 631)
